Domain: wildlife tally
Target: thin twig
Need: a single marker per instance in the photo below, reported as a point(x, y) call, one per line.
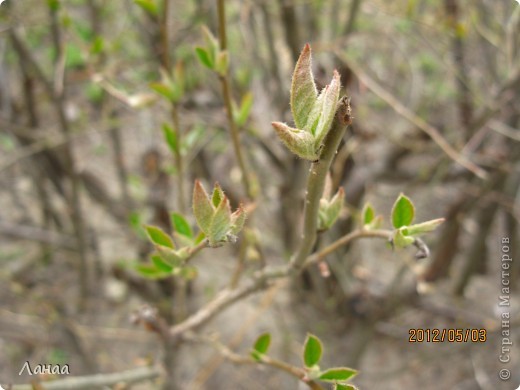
point(226, 92)
point(401, 109)
point(135, 375)
point(316, 181)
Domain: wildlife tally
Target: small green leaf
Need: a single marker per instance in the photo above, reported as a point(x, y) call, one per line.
point(220, 223)
point(149, 6)
point(329, 104)
point(403, 212)
point(202, 207)
point(312, 350)
point(400, 240)
point(222, 63)
point(135, 223)
point(303, 88)
point(337, 374)
point(421, 228)
point(339, 386)
point(200, 237)
point(157, 236)
point(204, 57)
point(149, 271)
point(97, 45)
point(170, 136)
point(245, 109)
point(217, 195)
point(54, 5)
point(238, 219)
point(163, 90)
point(299, 142)
point(261, 346)
point(160, 264)
point(368, 214)
point(181, 226)
point(175, 258)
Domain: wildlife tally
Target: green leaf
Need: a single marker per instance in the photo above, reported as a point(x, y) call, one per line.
point(339, 386)
point(175, 258)
point(298, 141)
point(170, 136)
point(245, 109)
point(135, 223)
point(157, 236)
point(261, 346)
point(196, 134)
point(403, 212)
point(238, 219)
point(160, 264)
point(181, 226)
point(335, 206)
point(220, 223)
point(328, 109)
point(149, 6)
point(200, 237)
point(400, 240)
point(163, 90)
point(54, 5)
point(149, 271)
point(204, 57)
point(312, 350)
point(217, 195)
point(368, 214)
point(97, 45)
point(421, 228)
point(202, 207)
point(222, 63)
point(337, 374)
point(303, 88)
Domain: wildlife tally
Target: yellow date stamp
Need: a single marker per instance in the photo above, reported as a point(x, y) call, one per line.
point(459, 335)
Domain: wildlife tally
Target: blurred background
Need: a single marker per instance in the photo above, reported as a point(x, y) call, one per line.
point(86, 158)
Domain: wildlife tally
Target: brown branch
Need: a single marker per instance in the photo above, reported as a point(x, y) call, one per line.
point(226, 93)
point(135, 375)
point(402, 110)
point(37, 234)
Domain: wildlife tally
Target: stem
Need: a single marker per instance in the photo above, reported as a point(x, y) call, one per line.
point(178, 159)
point(316, 181)
point(163, 27)
point(344, 241)
point(292, 370)
point(226, 92)
point(134, 375)
point(196, 249)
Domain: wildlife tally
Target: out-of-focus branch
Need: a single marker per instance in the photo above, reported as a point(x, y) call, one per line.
point(37, 234)
point(135, 375)
point(401, 109)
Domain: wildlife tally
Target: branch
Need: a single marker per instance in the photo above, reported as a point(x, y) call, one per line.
point(316, 181)
point(226, 93)
point(37, 234)
point(94, 381)
point(402, 110)
point(234, 357)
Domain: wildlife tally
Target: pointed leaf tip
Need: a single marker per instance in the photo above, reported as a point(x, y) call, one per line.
point(303, 88)
point(202, 207)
